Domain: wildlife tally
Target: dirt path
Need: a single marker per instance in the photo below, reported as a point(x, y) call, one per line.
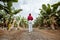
point(25, 35)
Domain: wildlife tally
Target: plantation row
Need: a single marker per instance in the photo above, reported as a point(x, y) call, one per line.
point(49, 16)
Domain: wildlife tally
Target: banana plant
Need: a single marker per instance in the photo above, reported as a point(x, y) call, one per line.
point(49, 14)
point(23, 22)
point(7, 7)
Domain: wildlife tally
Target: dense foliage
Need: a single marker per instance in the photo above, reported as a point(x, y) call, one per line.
point(49, 16)
point(6, 12)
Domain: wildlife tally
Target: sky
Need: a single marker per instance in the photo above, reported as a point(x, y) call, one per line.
point(31, 6)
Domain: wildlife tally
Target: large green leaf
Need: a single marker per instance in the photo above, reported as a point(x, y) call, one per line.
point(48, 9)
point(9, 0)
point(15, 0)
point(44, 7)
point(9, 4)
point(1, 7)
point(3, 0)
point(17, 11)
point(55, 6)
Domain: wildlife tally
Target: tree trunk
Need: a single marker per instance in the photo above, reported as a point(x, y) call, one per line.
point(12, 25)
point(52, 26)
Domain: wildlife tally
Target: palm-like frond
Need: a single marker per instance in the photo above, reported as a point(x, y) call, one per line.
point(9, 0)
point(1, 6)
point(55, 6)
point(17, 11)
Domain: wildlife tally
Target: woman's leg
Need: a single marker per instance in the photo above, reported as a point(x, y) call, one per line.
point(31, 26)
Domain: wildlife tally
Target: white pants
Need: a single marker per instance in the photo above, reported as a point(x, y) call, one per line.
point(30, 25)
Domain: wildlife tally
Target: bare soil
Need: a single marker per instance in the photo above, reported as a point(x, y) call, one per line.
point(36, 34)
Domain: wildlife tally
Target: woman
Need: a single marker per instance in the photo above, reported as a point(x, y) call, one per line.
point(30, 18)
